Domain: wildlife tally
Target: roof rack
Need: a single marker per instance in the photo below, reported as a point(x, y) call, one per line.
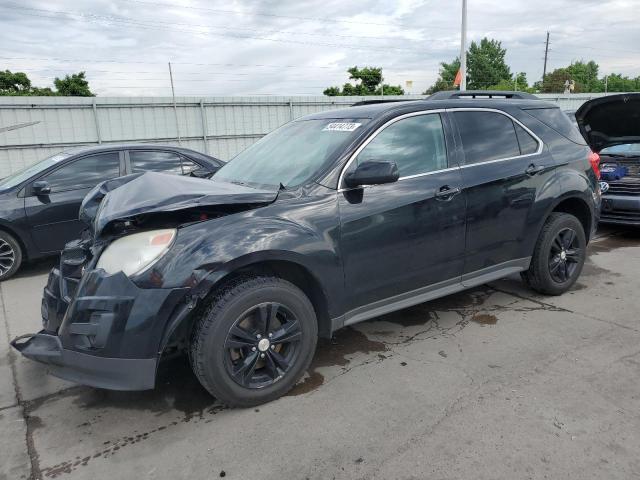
point(446, 95)
point(373, 102)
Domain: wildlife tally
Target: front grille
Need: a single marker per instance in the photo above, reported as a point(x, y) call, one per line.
point(627, 186)
point(72, 261)
point(621, 215)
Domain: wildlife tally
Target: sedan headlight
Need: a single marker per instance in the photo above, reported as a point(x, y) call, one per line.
point(135, 253)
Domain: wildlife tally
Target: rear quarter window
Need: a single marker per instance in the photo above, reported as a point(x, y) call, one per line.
point(557, 120)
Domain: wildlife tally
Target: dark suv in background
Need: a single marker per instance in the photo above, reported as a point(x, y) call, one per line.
point(330, 220)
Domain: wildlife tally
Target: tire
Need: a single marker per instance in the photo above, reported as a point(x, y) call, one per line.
point(558, 256)
point(10, 256)
point(235, 365)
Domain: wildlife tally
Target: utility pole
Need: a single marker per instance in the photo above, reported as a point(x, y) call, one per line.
point(175, 107)
point(463, 48)
point(546, 54)
point(606, 83)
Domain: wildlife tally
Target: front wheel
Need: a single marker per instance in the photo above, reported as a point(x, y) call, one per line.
point(255, 341)
point(558, 256)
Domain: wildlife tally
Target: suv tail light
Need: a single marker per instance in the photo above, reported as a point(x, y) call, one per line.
point(594, 160)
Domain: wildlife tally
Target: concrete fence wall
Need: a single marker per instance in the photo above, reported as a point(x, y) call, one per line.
point(32, 128)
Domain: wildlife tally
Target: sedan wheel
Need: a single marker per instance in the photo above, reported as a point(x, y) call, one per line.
point(10, 255)
point(7, 257)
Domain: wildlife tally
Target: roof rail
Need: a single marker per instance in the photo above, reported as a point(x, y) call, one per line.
point(373, 102)
point(446, 95)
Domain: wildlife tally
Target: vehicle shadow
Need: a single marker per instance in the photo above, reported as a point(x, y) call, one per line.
point(37, 267)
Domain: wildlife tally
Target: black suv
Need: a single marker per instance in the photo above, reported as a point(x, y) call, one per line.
point(330, 220)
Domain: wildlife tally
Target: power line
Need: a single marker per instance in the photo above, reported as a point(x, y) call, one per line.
point(115, 18)
point(96, 19)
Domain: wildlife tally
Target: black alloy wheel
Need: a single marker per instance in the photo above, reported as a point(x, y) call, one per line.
point(565, 255)
point(254, 341)
point(558, 256)
point(262, 345)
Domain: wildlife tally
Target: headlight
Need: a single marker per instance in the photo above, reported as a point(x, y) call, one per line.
point(135, 253)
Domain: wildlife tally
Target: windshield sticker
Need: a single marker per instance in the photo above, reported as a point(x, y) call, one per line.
point(341, 127)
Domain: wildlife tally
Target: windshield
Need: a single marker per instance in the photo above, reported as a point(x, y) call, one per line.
point(627, 150)
point(27, 172)
point(292, 154)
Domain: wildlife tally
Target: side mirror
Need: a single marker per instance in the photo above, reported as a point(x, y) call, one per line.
point(41, 187)
point(372, 173)
point(202, 173)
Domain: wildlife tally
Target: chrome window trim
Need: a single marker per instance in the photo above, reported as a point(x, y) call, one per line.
point(441, 110)
point(374, 134)
point(513, 119)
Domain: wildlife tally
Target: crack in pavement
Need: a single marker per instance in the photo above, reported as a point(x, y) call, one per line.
point(32, 453)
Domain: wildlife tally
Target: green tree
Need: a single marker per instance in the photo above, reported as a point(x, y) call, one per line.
point(518, 82)
point(446, 76)
point(486, 69)
point(617, 83)
point(14, 83)
point(584, 74)
point(18, 83)
point(486, 65)
point(369, 83)
point(74, 85)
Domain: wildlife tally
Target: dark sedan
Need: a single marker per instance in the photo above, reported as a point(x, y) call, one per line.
point(39, 205)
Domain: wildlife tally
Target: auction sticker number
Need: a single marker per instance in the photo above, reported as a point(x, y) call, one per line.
point(341, 127)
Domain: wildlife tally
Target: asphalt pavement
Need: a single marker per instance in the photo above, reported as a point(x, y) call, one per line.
point(494, 383)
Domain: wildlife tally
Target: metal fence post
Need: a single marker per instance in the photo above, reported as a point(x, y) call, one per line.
point(290, 110)
point(97, 122)
point(205, 127)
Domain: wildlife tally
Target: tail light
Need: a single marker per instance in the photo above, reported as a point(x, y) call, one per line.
point(594, 160)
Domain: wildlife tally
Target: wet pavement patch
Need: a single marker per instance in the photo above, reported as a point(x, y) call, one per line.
point(590, 269)
point(484, 319)
point(624, 239)
point(409, 317)
point(177, 389)
point(345, 342)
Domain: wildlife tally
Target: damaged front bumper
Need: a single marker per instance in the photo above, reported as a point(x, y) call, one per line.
point(87, 369)
point(102, 330)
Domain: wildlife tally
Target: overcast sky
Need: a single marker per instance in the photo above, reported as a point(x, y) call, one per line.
point(298, 47)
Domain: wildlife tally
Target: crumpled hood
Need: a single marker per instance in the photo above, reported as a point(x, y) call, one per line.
point(151, 192)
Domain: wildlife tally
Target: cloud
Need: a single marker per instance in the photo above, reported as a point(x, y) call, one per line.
point(290, 47)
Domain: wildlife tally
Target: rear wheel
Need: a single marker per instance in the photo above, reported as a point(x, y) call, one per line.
point(558, 256)
point(255, 341)
point(10, 255)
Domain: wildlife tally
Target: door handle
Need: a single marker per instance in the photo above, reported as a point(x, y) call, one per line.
point(446, 193)
point(533, 169)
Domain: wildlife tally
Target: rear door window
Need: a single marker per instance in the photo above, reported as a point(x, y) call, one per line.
point(159, 161)
point(416, 144)
point(528, 144)
point(486, 136)
point(86, 172)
